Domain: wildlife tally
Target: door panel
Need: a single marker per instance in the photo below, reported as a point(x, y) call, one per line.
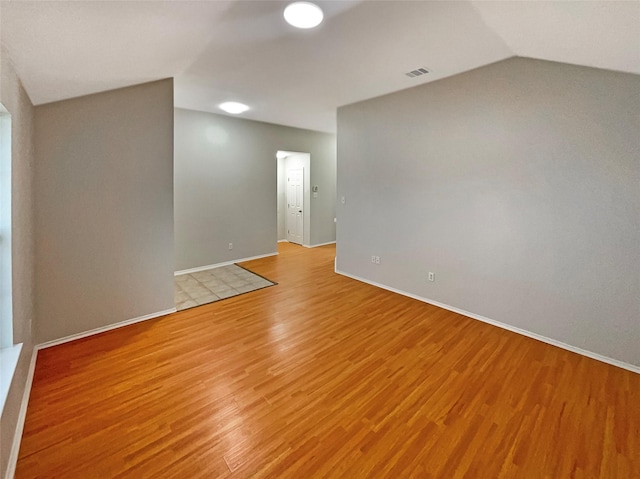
point(295, 215)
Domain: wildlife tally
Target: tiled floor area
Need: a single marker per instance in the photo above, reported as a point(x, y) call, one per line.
point(211, 285)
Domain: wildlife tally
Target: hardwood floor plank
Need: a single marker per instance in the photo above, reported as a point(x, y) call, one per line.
point(324, 376)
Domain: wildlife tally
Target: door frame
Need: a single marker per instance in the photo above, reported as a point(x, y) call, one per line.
point(288, 159)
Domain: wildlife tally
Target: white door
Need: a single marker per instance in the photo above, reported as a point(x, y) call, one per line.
point(295, 194)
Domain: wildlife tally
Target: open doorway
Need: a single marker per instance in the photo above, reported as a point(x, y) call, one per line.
point(294, 220)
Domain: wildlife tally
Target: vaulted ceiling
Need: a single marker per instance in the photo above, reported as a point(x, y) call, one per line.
point(244, 51)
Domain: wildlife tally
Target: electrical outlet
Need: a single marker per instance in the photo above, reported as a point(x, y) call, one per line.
point(373, 259)
point(377, 259)
point(432, 276)
point(230, 245)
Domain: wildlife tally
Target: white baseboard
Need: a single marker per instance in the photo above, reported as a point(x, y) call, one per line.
point(524, 332)
point(22, 415)
point(17, 438)
point(318, 245)
point(309, 245)
point(102, 329)
point(218, 265)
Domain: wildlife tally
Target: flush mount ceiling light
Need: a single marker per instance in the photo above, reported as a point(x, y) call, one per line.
point(303, 14)
point(233, 107)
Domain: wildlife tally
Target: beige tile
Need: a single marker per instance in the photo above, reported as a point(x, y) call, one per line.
point(227, 294)
point(195, 290)
point(221, 289)
point(202, 294)
point(203, 276)
point(181, 297)
point(245, 274)
point(226, 278)
point(189, 282)
point(206, 299)
point(260, 282)
point(245, 289)
point(211, 285)
point(186, 304)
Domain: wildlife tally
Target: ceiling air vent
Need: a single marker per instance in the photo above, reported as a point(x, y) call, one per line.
point(417, 73)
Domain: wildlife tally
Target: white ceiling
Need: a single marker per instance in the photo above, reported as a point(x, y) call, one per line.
point(244, 51)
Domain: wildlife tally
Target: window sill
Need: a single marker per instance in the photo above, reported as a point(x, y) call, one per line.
point(8, 363)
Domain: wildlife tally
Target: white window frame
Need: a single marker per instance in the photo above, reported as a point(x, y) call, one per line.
point(9, 352)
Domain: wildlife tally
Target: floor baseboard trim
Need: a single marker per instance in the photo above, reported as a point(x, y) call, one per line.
point(22, 415)
point(309, 245)
point(103, 329)
point(514, 329)
point(218, 265)
point(318, 245)
point(17, 438)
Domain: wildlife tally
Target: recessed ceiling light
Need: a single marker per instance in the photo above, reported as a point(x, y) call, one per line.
point(303, 14)
point(233, 107)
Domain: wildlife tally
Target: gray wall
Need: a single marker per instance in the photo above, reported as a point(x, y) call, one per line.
point(14, 98)
point(226, 186)
point(104, 208)
point(518, 184)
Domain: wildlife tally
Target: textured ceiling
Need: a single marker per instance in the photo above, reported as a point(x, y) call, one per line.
point(244, 51)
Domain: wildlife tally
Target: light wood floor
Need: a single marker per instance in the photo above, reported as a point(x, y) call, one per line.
point(323, 376)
